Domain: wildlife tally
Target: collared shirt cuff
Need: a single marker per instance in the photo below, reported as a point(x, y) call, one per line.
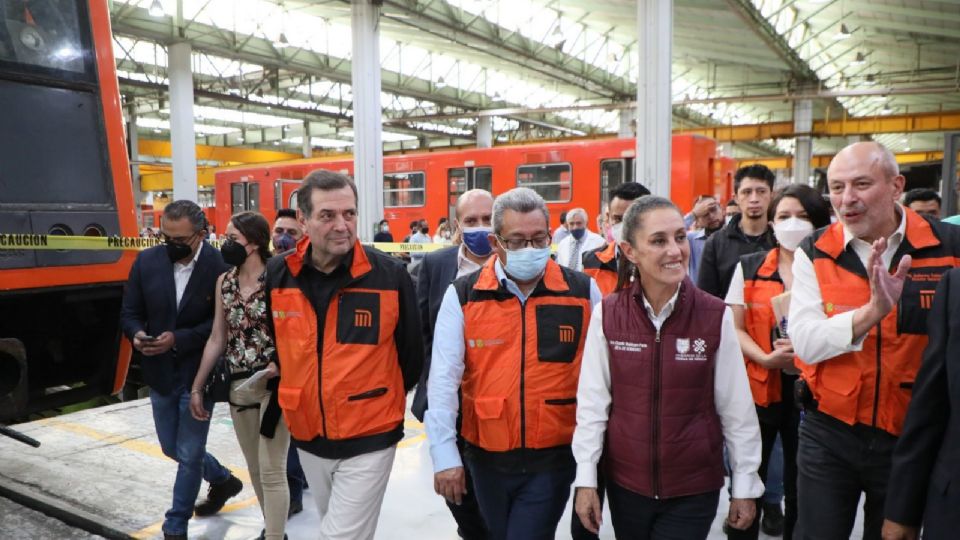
point(445, 456)
point(840, 333)
point(747, 486)
point(586, 475)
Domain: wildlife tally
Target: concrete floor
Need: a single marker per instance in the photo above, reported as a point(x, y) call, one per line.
point(19, 523)
point(107, 462)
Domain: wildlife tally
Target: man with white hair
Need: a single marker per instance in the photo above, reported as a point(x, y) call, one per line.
point(862, 290)
point(580, 240)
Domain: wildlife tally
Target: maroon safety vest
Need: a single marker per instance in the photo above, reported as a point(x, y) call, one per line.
point(664, 437)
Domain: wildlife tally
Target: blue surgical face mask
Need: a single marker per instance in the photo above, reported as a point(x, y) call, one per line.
point(577, 234)
point(527, 263)
point(475, 238)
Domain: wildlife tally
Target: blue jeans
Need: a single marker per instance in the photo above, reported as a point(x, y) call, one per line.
point(774, 479)
point(521, 506)
point(184, 440)
point(296, 480)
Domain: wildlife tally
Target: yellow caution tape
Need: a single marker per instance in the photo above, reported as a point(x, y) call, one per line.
point(124, 243)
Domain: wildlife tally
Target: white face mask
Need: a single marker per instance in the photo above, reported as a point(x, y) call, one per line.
point(790, 232)
point(617, 232)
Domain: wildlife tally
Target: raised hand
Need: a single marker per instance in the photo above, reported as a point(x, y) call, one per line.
point(885, 288)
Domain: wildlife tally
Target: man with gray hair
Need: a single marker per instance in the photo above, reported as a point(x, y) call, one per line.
point(510, 338)
point(579, 241)
point(858, 329)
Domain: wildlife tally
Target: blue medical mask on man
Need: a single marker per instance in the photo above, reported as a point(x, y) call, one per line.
point(527, 263)
point(577, 234)
point(475, 238)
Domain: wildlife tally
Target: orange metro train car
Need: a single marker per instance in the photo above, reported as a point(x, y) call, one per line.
point(426, 185)
point(63, 171)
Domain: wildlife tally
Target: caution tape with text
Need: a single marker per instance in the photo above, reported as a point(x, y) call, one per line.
point(122, 243)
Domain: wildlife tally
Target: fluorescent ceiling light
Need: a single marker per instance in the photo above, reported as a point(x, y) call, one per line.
point(860, 60)
point(844, 32)
point(283, 42)
point(156, 9)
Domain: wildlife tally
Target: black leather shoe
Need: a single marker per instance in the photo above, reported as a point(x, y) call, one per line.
point(168, 536)
point(217, 496)
point(772, 522)
point(295, 508)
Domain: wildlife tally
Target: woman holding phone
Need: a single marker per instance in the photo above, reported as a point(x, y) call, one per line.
point(241, 336)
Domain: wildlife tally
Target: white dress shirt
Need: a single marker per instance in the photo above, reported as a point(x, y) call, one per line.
point(464, 264)
point(182, 273)
point(446, 372)
point(816, 337)
point(565, 249)
point(732, 398)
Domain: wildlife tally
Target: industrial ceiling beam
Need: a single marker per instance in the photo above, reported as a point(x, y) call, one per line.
point(903, 123)
point(822, 161)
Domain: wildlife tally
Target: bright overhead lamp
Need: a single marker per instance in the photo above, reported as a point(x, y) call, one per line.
point(156, 130)
point(871, 80)
point(156, 9)
point(282, 42)
point(860, 60)
point(844, 32)
point(239, 139)
point(906, 149)
point(440, 83)
point(886, 109)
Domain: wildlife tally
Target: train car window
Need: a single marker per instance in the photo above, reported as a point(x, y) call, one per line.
point(404, 189)
point(49, 38)
point(483, 178)
point(253, 197)
point(238, 197)
point(551, 181)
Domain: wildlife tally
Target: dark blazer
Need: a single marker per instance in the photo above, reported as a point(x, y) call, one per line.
point(437, 271)
point(722, 253)
point(150, 304)
point(925, 472)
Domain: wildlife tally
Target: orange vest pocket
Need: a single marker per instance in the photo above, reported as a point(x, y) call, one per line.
point(297, 418)
point(493, 427)
point(839, 387)
point(558, 418)
point(366, 412)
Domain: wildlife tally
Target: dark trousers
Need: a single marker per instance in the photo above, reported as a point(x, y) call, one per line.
point(470, 525)
point(296, 480)
point(778, 419)
point(836, 462)
point(577, 530)
point(636, 517)
point(521, 506)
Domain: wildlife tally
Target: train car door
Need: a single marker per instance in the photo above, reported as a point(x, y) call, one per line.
point(463, 179)
point(614, 172)
point(285, 193)
point(244, 195)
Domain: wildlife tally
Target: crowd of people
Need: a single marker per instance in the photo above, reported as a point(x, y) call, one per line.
point(795, 349)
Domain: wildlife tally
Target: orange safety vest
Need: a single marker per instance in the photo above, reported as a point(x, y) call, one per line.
point(761, 282)
point(873, 386)
point(530, 403)
point(354, 386)
point(601, 265)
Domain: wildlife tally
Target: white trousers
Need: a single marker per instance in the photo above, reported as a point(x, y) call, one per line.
point(348, 492)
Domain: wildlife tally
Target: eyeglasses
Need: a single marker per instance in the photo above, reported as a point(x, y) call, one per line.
point(538, 242)
point(167, 239)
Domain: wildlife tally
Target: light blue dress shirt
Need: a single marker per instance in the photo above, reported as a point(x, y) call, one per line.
point(446, 372)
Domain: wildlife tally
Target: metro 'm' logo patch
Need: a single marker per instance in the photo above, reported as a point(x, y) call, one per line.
point(358, 318)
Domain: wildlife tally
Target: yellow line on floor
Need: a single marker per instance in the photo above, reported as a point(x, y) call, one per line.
point(156, 528)
point(406, 443)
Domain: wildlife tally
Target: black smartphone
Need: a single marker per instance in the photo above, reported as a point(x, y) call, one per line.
point(148, 338)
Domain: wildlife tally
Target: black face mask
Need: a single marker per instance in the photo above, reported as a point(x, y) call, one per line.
point(177, 251)
point(233, 253)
